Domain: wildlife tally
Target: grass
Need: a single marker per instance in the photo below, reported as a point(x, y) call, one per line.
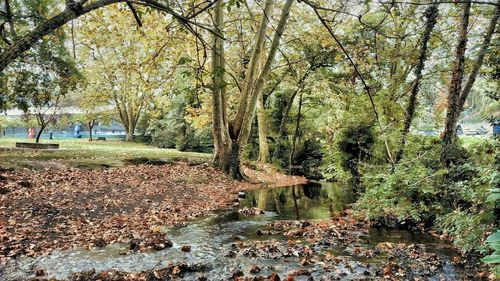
point(80, 152)
point(467, 141)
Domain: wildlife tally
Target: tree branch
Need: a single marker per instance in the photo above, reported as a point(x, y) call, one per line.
point(134, 12)
point(365, 85)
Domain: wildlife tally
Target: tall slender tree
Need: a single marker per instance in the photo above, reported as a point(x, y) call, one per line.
point(431, 14)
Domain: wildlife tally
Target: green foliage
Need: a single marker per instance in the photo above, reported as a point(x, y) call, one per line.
point(231, 3)
point(493, 241)
point(467, 228)
point(355, 145)
point(420, 189)
point(308, 157)
point(494, 196)
point(408, 194)
point(173, 130)
point(44, 77)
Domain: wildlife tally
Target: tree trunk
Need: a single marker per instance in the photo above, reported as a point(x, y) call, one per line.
point(222, 141)
point(91, 127)
point(286, 113)
point(226, 150)
point(246, 124)
point(229, 143)
point(39, 134)
point(431, 15)
point(479, 61)
point(455, 87)
point(251, 72)
point(262, 125)
point(297, 127)
point(130, 132)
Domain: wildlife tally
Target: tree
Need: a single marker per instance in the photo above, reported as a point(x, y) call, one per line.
point(124, 64)
point(41, 81)
point(455, 86)
point(94, 106)
point(74, 9)
point(456, 94)
point(230, 139)
point(262, 126)
point(431, 15)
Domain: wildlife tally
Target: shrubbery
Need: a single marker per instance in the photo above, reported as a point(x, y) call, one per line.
point(173, 130)
point(421, 189)
point(352, 146)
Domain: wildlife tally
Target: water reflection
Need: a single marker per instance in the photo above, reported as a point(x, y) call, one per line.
point(310, 201)
point(213, 238)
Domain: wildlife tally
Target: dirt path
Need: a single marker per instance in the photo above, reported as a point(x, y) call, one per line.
point(42, 212)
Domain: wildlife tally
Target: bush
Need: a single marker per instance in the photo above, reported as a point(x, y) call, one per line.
point(408, 194)
point(353, 145)
point(172, 129)
point(421, 189)
point(309, 157)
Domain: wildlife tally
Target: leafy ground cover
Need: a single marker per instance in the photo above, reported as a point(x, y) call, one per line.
point(61, 209)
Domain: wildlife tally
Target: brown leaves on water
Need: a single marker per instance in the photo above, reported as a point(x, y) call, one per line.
point(62, 209)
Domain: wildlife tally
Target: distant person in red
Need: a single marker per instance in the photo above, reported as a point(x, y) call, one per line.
point(31, 133)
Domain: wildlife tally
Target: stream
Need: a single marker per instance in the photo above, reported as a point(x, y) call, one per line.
point(214, 240)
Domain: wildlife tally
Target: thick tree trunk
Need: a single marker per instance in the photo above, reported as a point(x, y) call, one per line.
point(220, 131)
point(251, 72)
point(246, 124)
point(455, 88)
point(431, 15)
point(262, 126)
point(226, 150)
point(130, 132)
point(230, 146)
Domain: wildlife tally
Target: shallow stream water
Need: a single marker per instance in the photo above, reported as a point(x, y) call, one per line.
point(212, 239)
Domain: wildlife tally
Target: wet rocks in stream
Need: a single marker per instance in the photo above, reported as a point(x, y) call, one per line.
point(154, 241)
point(186, 248)
point(338, 249)
point(251, 211)
point(171, 271)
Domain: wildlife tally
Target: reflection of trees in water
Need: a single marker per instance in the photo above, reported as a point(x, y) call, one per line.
point(303, 201)
point(297, 214)
point(262, 199)
point(312, 190)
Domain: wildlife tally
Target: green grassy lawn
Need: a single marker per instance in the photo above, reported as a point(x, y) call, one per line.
point(81, 152)
point(467, 141)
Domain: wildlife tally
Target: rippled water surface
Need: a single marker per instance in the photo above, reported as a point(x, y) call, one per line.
point(212, 238)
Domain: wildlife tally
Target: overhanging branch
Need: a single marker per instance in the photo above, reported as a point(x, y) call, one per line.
point(134, 12)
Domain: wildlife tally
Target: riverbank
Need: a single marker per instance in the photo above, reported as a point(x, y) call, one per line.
point(41, 212)
point(301, 232)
